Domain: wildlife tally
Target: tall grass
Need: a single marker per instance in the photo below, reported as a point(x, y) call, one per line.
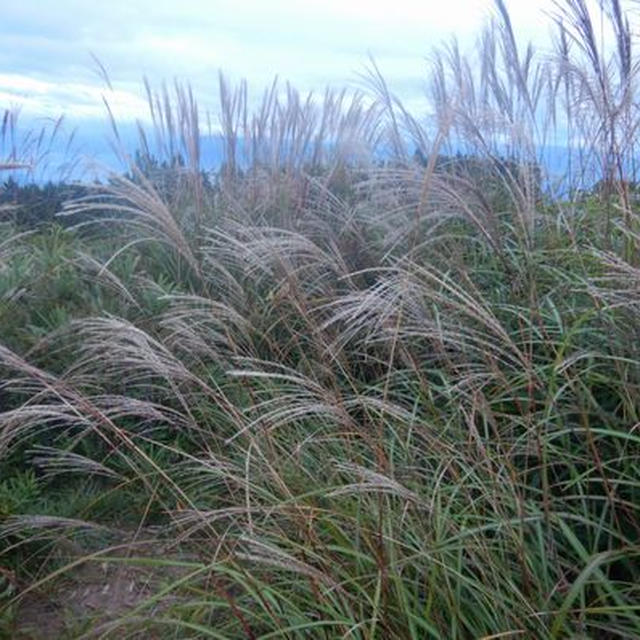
point(43, 148)
point(354, 399)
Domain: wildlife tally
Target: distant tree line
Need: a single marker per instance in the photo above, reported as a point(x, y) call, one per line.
point(31, 205)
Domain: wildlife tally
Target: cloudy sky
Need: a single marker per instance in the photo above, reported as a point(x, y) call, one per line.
point(46, 48)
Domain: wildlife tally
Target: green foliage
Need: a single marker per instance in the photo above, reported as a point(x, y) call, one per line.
point(17, 492)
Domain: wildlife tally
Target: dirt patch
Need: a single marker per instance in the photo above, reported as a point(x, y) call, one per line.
point(90, 596)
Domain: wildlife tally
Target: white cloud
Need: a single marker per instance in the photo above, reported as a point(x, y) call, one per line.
point(45, 49)
point(83, 100)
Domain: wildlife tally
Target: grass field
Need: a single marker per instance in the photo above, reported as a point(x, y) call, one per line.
point(319, 395)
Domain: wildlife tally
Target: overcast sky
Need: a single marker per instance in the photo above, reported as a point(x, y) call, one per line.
point(46, 64)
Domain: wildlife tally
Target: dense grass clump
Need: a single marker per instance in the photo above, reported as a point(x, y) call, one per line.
point(318, 396)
